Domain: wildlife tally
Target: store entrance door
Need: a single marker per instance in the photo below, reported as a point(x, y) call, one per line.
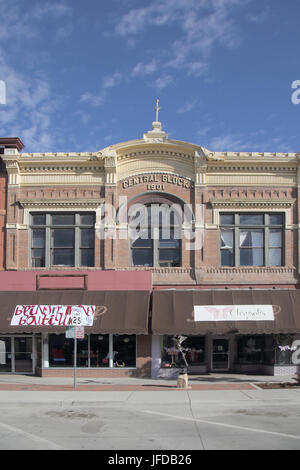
point(16, 354)
point(23, 354)
point(220, 354)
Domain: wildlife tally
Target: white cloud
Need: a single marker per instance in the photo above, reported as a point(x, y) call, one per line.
point(204, 131)
point(260, 17)
point(200, 25)
point(44, 9)
point(98, 99)
point(142, 70)
point(163, 81)
point(187, 106)
point(29, 108)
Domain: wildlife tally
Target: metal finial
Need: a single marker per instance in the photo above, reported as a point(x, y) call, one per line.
point(157, 108)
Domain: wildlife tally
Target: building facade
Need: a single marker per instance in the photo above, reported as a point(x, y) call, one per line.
point(210, 230)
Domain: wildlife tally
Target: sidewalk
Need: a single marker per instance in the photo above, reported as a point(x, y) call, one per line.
point(220, 389)
point(196, 382)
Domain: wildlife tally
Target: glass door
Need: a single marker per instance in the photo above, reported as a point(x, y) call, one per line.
point(220, 354)
point(23, 354)
point(5, 354)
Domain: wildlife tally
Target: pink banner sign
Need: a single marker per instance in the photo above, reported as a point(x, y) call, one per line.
point(233, 313)
point(53, 315)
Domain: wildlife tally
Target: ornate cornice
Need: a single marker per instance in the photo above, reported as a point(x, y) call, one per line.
point(160, 152)
point(61, 203)
point(250, 269)
point(161, 270)
point(236, 204)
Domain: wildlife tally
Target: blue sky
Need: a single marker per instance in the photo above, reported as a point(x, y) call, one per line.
point(83, 75)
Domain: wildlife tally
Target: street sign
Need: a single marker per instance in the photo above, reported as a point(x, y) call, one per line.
point(73, 332)
point(79, 332)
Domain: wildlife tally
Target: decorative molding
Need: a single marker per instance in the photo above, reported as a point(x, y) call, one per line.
point(54, 205)
point(157, 269)
point(250, 204)
point(60, 203)
point(258, 205)
point(250, 270)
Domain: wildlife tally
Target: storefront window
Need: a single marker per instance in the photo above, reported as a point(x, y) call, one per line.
point(283, 349)
point(195, 355)
point(38, 350)
point(61, 351)
point(92, 351)
point(99, 350)
point(251, 349)
point(124, 350)
point(83, 352)
point(5, 354)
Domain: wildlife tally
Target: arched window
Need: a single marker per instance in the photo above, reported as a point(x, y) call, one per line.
point(155, 235)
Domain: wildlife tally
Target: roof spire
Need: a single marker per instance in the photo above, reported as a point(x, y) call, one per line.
point(157, 109)
point(156, 134)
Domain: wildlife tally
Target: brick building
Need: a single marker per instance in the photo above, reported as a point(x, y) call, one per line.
point(203, 235)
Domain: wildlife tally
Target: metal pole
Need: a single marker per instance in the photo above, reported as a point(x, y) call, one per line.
point(75, 359)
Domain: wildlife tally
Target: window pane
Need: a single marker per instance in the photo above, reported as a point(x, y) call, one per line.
point(82, 352)
point(38, 238)
point(275, 255)
point(276, 219)
point(63, 219)
point(169, 243)
point(38, 219)
point(87, 257)
point(99, 350)
point(169, 257)
point(63, 238)
point(87, 219)
point(5, 354)
point(60, 351)
point(167, 234)
point(171, 356)
point(226, 257)
point(226, 239)
point(142, 257)
point(227, 219)
point(124, 350)
point(144, 240)
point(251, 219)
point(250, 349)
point(87, 238)
point(253, 238)
point(38, 258)
point(275, 238)
point(251, 257)
point(63, 257)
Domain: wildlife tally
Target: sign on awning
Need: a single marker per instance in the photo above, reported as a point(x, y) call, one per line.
point(53, 315)
point(233, 313)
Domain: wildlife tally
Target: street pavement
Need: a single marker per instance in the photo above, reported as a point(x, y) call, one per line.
point(146, 414)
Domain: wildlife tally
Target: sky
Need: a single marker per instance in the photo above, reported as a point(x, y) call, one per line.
point(80, 75)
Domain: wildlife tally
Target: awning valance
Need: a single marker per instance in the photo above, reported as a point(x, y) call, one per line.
point(173, 311)
point(122, 312)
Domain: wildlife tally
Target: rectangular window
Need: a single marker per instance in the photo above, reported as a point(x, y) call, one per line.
point(62, 239)
point(93, 351)
point(195, 351)
point(251, 239)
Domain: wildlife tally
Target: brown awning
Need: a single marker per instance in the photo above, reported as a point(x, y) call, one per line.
point(173, 311)
point(127, 311)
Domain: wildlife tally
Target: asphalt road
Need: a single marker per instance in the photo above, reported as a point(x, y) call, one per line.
point(157, 421)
